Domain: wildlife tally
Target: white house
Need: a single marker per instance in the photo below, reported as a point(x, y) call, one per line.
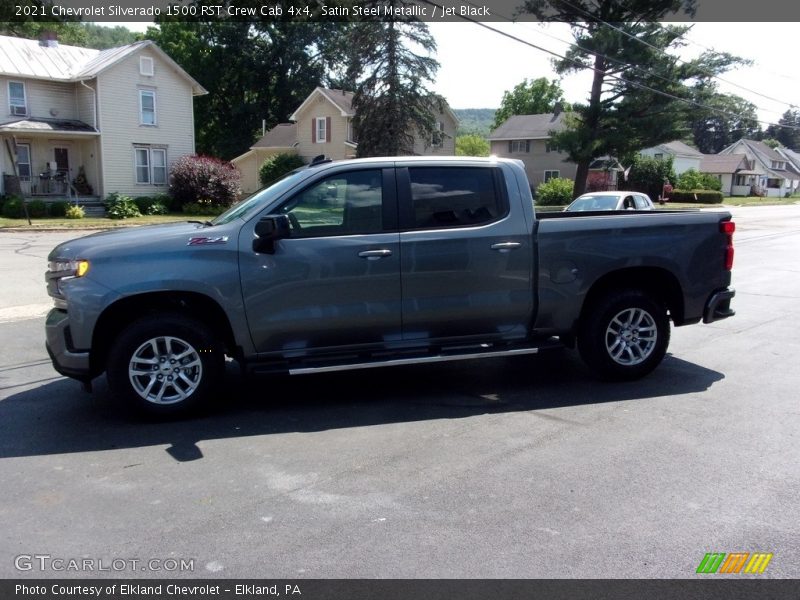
point(773, 173)
point(684, 157)
point(120, 117)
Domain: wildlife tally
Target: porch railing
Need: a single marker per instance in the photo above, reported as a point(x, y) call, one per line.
point(44, 185)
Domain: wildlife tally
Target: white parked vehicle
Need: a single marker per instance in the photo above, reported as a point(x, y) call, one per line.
point(611, 201)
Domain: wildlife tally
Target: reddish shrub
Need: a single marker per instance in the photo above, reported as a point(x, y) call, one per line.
point(203, 178)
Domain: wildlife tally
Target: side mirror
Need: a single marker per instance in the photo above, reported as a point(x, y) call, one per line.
point(269, 230)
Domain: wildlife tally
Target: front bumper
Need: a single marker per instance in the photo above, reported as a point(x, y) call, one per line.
point(718, 306)
point(66, 360)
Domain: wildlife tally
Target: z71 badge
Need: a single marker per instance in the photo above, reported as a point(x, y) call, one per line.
point(202, 241)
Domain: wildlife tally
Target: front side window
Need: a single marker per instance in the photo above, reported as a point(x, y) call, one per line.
point(454, 197)
point(147, 107)
point(548, 175)
point(16, 98)
point(519, 146)
point(342, 204)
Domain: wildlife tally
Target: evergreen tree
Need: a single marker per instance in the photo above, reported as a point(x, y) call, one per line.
point(625, 111)
point(392, 102)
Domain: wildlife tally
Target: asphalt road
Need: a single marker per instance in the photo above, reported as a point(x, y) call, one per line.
point(522, 467)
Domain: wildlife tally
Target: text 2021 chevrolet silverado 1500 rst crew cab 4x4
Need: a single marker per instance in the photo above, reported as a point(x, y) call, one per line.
point(376, 262)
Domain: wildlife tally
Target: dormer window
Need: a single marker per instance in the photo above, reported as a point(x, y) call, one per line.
point(146, 66)
point(777, 164)
point(17, 104)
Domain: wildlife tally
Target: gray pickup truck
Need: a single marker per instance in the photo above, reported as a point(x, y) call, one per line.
point(380, 262)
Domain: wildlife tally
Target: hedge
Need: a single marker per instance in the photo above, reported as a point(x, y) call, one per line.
point(699, 196)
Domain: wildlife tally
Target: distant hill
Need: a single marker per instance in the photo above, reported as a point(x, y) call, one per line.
point(476, 121)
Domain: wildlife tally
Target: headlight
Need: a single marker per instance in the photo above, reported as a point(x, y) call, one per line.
point(61, 270)
point(68, 268)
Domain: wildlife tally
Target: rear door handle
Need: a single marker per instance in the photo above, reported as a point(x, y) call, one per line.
point(506, 246)
point(375, 254)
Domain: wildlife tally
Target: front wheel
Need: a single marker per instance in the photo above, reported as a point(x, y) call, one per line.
point(165, 364)
point(625, 336)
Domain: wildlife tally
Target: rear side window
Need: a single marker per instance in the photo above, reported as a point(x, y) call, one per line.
point(455, 196)
point(641, 202)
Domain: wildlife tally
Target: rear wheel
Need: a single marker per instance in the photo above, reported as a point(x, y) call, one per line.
point(165, 364)
point(626, 336)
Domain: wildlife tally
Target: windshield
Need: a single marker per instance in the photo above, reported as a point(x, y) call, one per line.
point(594, 202)
point(261, 197)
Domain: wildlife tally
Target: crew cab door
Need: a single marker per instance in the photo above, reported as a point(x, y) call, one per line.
point(466, 254)
point(336, 280)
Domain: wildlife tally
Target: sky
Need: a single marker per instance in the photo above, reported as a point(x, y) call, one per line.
point(478, 65)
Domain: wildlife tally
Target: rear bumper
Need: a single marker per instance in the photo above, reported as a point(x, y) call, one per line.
point(66, 360)
point(718, 306)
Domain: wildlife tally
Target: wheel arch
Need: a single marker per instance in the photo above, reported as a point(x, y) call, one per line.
point(125, 311)
point(656, 281)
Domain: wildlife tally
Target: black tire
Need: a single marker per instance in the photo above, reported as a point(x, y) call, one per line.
point(186, 359)
point(625, 336)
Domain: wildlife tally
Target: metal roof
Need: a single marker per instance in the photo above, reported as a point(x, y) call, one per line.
point(31, 59)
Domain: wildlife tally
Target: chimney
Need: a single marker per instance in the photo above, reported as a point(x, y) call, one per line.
point(48, 39)
point(558, 109)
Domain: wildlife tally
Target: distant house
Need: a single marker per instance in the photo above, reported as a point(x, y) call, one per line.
point(773, 173)
point(279, 139)
point(323, 124)
point(734, 171)
point(118, 118)
point(684, 157)
point(793, 159)
point(527, 138)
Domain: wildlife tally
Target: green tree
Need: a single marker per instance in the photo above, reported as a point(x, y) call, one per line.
point(530, 98)
point(65, 30)
point(649, 175)
point(100, 37)
point(392, 102)
point(277, 166)
point(637, 86)
point(787, 131)
point(471, 145)
point(253, 71)
point(728, 119)
point(694, 180)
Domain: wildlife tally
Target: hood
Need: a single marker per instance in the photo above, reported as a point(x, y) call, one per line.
point(139, 239)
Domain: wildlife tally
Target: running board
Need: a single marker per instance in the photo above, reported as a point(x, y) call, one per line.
point(417, 360)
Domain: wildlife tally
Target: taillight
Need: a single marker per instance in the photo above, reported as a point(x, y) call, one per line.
point(728, 227)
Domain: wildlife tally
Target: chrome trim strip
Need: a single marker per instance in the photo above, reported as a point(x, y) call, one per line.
point(410, 361)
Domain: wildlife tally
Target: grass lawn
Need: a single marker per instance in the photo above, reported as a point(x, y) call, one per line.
point(97, 223)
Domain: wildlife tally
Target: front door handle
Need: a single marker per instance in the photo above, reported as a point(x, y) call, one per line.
point(506, 246)
point(375, 254)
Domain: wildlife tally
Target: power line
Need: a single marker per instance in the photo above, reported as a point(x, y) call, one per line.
point(612, 76)
point(661, 50)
